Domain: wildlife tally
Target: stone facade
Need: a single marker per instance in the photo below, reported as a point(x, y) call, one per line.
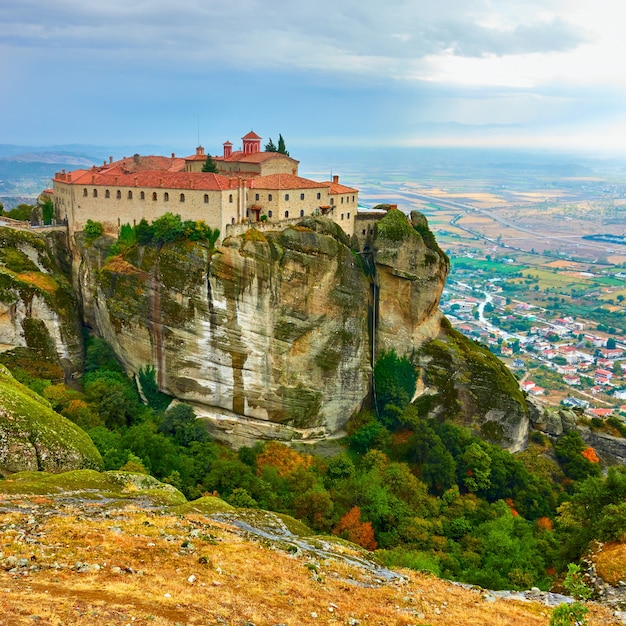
point(251, 186)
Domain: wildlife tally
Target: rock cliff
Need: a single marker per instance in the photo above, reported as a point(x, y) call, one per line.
point(35, 438)
point(39, 320)
point(272, 335)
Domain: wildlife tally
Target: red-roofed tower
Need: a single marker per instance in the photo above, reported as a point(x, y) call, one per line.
point(251, 143)
point(228, 149)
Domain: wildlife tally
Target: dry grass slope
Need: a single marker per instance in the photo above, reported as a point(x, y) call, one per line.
point(78, 560)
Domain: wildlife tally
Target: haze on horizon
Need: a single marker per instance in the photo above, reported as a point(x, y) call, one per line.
point(542, 73)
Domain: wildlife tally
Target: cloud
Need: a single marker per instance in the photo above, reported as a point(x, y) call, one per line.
point(341, 34)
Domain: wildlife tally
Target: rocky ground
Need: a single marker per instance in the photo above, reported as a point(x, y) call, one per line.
point(123, 550)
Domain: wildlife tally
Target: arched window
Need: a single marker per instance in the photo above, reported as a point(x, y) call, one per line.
point(256, 197)
point(269, 214)
point(348, 215)
point(301, 212)
point(85, 191)
point(107, 194)
point(341, 199)
point(301, 196)
point(118, 194)
point(232, 220)
point(166, 197)
point(206, 198)
point(230, 198)
point(142, 195)
point(352, 198)
point(182, 197)
point(319, 195)
point(95, 193)
point(130, 195)
point(332, 200)
point(154, 196)
point(342, 217)
point(286, 197)
point(286, 213)
point(269, 197)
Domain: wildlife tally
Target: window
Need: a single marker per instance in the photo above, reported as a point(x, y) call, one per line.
point(269, 197)
point(364, 231)
point(130, 195)
point(301, 196)
point(230, 198)
point(286, 213)
point(166, 197)
point(206, 198)
point(352, 198)
point(154, 196)
point(107, 194)
point(95, 193)
point(319, 195)
point(301, 212)
point(182, 197)
point(341, 199)
point(269, 214)
point(85, 191)
point(142, 195)
point(256, 197)
point(332, 200)
point(286, 197)
point(118, 194)
point(348, 215)
point(342, 216)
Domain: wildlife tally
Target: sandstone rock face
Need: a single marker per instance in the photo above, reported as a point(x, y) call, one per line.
point(35, 438)
point(270, 336)
point(38, 311)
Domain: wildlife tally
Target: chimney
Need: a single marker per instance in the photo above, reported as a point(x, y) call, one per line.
point(173, 156)
point(63, 171)
point(136, 179)
point(136, 159)
point(190, 183)
point(69, 177)
point(93, 179)
point(199, 151)
point(335, 179)
point(110, 159)
point(160, 182)
point(117, 179)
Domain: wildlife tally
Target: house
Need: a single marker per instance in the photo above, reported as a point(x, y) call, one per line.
point(611, 354)
point(571, 379)
point(527, 385)
point(536, 391)
point(600, 413)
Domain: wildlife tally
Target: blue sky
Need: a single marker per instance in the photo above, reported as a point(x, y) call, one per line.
point(340, 72)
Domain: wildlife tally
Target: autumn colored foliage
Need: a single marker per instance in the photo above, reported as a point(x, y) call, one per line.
point(282, 458)
point(351, 528)
point(590, 454)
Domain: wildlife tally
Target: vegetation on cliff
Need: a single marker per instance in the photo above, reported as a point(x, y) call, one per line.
point(34, 437)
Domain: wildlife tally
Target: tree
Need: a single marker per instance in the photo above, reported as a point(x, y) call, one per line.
point(93, 230)
point(270, 147)
point(209, 165)
point(610, 343)
point(351, 527)
point(281, 146)
point(47, 211)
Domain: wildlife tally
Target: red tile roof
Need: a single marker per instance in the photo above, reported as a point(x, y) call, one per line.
point(153, 179)
point(337, 188)
point(251, 135)
point(284, 181)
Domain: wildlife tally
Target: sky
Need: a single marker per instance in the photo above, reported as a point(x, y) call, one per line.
point(524, 73)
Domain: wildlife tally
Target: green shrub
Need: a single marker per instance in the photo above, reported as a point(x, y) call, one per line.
point(93, 230)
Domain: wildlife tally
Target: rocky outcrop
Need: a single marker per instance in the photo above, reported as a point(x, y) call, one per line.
point(464, 381)
point(611, 450)
point(39, 321)
point(273, 334)
point(550, 420)
point(35, 438)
